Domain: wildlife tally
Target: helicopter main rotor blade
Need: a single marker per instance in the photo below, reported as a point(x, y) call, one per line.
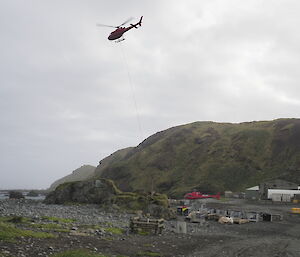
point(103, 25)
point(128, 20)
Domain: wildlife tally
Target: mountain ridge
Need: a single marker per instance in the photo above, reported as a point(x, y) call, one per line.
point(209, 156)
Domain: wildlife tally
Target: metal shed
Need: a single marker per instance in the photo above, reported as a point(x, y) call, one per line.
point(252, 193)
point(275, 184)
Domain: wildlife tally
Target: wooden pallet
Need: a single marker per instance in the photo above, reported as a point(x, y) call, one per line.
point(145, 224)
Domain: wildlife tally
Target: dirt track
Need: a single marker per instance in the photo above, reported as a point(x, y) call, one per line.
point(267, 239)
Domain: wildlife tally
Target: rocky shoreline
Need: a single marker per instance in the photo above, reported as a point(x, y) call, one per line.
point(90, 228)
point(106, 232)
point(82, 214)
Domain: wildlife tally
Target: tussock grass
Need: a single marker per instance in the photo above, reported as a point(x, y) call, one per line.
point(114, 230)
point(15, 219)
point(209, 157)
point(9, 232)
point(51, 226)
point(142, 232)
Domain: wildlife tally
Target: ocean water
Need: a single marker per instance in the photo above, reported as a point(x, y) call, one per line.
point(5, 195)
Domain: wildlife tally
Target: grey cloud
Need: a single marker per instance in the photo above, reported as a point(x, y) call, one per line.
point(68, 96)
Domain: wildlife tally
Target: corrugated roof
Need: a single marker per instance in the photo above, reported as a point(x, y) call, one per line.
point(253, 188)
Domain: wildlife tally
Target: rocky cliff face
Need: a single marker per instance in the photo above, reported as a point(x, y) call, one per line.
point(209, 156)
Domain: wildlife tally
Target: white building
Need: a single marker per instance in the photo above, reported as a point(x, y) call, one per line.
point(282, 195)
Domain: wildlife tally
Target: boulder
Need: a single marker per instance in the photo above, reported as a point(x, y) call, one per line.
point(94, 191)
point(104, 192)
point(15, 195)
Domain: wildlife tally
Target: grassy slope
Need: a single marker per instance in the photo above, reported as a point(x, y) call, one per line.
point(211, 157)
point(82, 173)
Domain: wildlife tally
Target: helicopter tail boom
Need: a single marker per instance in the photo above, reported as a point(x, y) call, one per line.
point(137, 24)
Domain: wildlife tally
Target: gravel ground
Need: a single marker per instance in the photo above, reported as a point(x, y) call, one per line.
point(208, 238)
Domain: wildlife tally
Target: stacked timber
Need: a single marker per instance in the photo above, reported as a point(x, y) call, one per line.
point(146, 224)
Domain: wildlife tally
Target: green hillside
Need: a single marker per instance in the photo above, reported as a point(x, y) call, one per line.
point(209, 156)
point(82, 173)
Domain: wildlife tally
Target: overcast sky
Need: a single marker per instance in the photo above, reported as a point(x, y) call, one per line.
point(69, 97)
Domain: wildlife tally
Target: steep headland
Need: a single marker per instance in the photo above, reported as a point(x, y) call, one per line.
point(208, 156)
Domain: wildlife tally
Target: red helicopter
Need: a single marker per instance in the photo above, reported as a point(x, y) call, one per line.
point(199, 195)
point(118, 33)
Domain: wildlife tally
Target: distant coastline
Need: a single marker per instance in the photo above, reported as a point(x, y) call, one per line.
point(5, 195)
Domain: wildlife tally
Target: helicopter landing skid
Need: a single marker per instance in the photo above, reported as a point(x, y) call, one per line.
point(120, 40)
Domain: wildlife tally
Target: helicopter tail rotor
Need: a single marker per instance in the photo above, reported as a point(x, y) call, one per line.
point(140, 22)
